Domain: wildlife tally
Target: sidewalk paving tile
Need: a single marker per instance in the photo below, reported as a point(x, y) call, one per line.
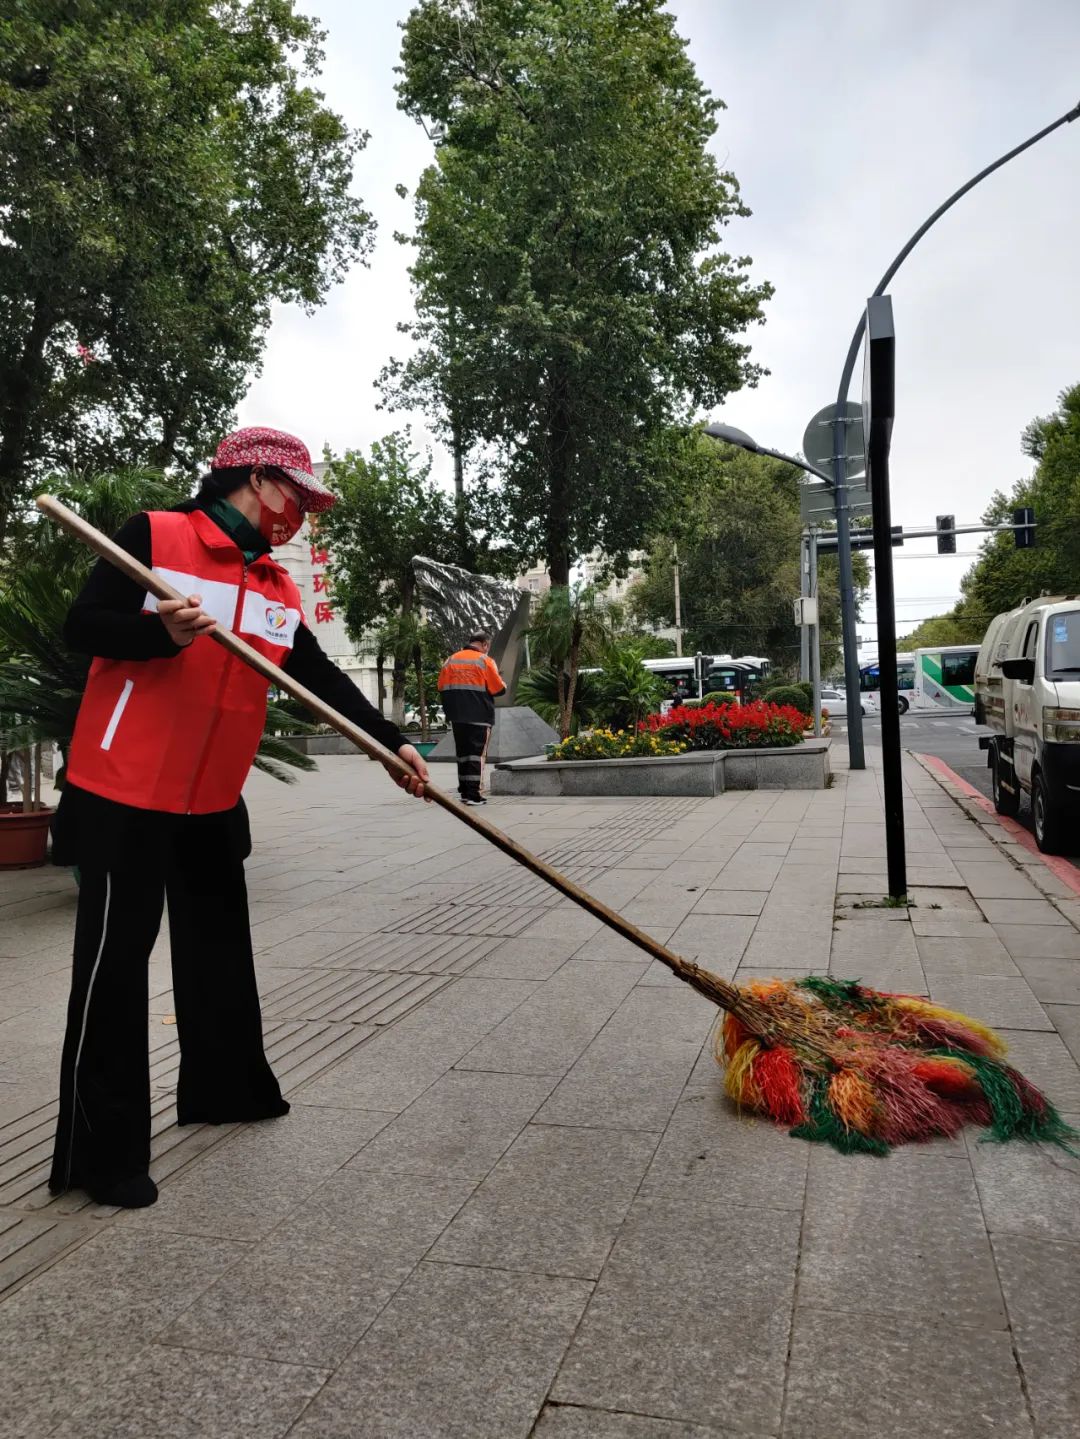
point(1000, 1001)
point(1028, 1190)
point(1022, 912)
point(871, 1246)
point(546, 1034)
point(231, 1395)
point(249, 1183)
point(1040, 941)
point(857, 1375)
point(553, 1203)
point(1041, 1280)
point(1053, 981)
point(459, 1353)
point(460, 1126)
point(712, 1154)
point(1066, 1018)
point(985, 954)
point(569, 1421)
point(691, 1316)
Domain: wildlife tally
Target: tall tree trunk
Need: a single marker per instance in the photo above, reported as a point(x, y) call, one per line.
point(574, 661)
point(418, 662)
point(23, 387)
point(466, 556)
point(560, 456)
point(402, 652)
point(380, 678)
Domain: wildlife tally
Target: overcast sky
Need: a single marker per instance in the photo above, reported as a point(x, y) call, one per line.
point(848, 122)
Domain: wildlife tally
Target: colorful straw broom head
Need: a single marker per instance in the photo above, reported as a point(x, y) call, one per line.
point(865, 1071)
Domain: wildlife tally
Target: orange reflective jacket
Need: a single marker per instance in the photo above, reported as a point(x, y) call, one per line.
point(468, 684)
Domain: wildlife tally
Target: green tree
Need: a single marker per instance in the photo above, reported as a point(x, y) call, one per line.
point(958, 627)
point(572, 296)
point(388, 511)
point(1003, 575)
point(572, 626)
point(165, 175)
point(735, 518)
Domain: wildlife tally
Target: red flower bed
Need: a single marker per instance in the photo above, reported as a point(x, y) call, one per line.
point(730, 726)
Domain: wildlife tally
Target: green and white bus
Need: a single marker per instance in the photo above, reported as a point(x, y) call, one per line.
point(942, 677)
point(945, 677)
point(935, 678)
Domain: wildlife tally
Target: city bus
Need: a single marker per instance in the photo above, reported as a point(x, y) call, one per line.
point(940, 677)
point(738, 678)
point(723, 674)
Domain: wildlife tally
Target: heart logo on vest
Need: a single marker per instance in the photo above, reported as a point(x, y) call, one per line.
point(276, 618)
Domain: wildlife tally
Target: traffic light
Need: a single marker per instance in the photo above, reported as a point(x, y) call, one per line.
point(1024, 533)
point(946, 534)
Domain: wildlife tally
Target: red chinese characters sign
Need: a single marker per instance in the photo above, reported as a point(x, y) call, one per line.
point(320, 580)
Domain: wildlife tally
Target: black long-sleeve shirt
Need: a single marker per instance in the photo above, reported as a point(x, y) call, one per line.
point(107, 620)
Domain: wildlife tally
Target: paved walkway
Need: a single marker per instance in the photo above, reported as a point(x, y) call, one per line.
point(510, 1198)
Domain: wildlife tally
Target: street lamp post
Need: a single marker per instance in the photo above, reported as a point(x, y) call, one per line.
point(728, 434)
point(843, 528)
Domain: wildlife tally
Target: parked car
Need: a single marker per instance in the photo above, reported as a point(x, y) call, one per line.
point(1027, 690)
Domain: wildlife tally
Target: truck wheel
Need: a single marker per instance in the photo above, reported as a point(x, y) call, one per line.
point(1049, 829)
point(1004, 802)
point(903, 705)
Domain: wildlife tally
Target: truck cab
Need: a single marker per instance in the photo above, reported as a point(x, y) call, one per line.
point(1027, 690)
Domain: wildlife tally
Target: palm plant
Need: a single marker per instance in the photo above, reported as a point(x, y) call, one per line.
point(625, 690)
point(41, 680)
point(572, 626)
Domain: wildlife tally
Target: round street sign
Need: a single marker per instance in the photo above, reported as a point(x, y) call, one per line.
point(818, 440)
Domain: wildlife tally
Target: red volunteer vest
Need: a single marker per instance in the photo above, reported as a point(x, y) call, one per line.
point(180, 734)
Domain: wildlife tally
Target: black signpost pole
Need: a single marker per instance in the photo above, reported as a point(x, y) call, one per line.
point(879, 392)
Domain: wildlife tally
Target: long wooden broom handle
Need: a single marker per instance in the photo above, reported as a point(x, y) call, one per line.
point(109, 550)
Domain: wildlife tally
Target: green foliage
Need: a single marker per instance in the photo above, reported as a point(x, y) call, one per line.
point(166, 176)
point(539, 689)
point(626, 690)
point(572, 626)
point(389, 509)
point(1004, 576)
point(571, 295)
point(41, 680)
point(735, 519)
point(956, 628)
point(617, 744)
point(793, 695)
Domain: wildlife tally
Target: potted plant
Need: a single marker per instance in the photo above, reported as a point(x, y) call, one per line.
point(24, 822)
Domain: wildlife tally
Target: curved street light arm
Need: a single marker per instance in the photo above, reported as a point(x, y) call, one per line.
point(857, 338)
point(799, 464)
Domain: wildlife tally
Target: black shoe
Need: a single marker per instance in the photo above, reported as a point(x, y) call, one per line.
point(473, 802)
point(138, 1191)
point(237, 1116)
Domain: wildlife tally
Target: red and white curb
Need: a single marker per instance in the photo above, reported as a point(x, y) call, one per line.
point(1002, 830)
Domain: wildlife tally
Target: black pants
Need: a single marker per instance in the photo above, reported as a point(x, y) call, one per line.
point(470, 742)
point(103, 1131)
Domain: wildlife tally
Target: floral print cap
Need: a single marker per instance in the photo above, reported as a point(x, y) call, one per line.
point(258, 445)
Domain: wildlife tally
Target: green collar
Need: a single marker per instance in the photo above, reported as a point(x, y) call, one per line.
point(239, 529)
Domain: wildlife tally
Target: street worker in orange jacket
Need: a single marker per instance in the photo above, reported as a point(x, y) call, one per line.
point(469, 683)
point(152, 810)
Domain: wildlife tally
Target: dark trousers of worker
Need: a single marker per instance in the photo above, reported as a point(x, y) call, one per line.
point(470, 743)
point(103, 1132)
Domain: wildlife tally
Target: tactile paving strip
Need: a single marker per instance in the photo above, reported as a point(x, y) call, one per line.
point(351, 996)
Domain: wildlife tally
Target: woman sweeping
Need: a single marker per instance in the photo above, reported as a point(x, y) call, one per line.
point(152, 811)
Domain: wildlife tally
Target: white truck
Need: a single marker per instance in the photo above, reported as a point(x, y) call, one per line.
point(1027, 690)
